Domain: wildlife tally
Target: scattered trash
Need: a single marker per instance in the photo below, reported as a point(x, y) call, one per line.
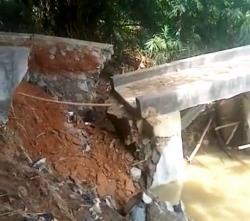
point(64, 147)
point(86, 194)
point(40, 217)
point(40, 165)
point(70, 116)
point(96, 206)
point(88, 123)
point(87, 148)
point(95, 210)
point(110, 202)
point(135, 173)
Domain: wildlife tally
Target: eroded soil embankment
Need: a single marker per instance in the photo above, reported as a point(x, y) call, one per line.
point(83, 152)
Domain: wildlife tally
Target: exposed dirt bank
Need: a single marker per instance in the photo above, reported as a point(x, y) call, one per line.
point(83, 152)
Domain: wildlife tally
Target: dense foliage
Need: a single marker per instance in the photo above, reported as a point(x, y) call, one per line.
point(163, 29)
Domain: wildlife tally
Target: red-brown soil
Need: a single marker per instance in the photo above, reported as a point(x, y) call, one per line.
point(45, 132)
point(52, 59)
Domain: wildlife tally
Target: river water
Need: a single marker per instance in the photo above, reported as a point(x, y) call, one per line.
point(217, 187)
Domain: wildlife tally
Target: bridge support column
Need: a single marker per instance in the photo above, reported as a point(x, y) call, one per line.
point(166, 166)
point(246, 115)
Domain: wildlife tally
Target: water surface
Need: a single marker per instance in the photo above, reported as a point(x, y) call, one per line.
point(217, 187)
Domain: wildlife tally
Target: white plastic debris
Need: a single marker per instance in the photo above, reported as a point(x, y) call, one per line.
point(95, 210)
point(96, 206)
point(39, 164)
point(70, 116)
point(87, 149)
point(146, 198)
point(111, 202)
point(135, 173)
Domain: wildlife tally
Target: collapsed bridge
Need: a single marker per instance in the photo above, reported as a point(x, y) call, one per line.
point(153, 98)
point(146, 104)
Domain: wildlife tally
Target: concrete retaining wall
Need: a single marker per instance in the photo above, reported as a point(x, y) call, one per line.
point(68, 68)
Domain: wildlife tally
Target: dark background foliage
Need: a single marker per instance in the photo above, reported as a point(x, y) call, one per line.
point(161, 29)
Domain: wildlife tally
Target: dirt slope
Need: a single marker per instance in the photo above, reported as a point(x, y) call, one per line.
point(83, 152)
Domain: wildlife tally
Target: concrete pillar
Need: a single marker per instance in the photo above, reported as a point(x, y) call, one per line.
point(166, 166)
point(246, 115)
point(13, 67)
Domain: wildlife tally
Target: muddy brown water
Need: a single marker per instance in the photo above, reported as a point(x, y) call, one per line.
point(217, 187)
point(170, 192)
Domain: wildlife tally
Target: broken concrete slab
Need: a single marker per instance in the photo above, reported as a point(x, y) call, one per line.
point(13, 67)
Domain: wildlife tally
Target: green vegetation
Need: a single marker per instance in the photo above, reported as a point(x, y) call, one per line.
point(161, 29)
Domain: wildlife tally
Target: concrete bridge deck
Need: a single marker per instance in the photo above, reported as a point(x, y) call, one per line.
point(189, 82)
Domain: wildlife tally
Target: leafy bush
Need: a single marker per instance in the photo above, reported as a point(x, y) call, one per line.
point(244, 37)
point(162, 47)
